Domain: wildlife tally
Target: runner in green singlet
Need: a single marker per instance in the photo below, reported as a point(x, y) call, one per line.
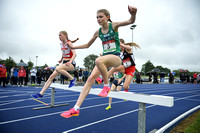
point(108, 33)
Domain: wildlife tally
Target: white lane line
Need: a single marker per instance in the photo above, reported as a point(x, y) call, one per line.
point(5, 109)
point(39, 116)
point(15, 101)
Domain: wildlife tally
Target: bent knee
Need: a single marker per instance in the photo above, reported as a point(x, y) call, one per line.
point(98, 61)
point(57, 69)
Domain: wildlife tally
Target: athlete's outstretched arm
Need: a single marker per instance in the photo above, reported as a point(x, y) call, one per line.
point(132, 10)
point(87, 45)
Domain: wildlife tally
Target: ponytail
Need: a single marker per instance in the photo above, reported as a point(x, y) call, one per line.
point(130, 44)
point(110, 20)
point(133, 44)
point(74, 40)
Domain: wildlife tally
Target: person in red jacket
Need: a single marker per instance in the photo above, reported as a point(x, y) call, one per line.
point(21, 75)
point(195, 78)
point(3, 74)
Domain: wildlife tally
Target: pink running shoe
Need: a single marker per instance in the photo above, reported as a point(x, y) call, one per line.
point(70, 113)
point(99, 80)
point(126, 90)
point(104, 92)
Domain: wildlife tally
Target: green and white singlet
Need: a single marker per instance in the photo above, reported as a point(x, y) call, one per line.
point(110, 41)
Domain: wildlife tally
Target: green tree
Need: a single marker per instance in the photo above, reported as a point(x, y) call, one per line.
point(2, 61)
point(89, 61)
point(45, 65)
point(148, 66)
point(30, 65)
point(162, 69)
point(9, 63)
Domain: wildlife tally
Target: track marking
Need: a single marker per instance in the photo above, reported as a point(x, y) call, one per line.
point(40, 101)
point(96, 122)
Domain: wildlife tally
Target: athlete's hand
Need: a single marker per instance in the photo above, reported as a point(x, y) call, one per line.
point(132, 10)
point(119, 81)
point(59, 61)
point(68, 63)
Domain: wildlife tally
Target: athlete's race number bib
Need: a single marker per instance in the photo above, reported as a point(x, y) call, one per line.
point(127, 62)
point(109, 46)
point(65, 52)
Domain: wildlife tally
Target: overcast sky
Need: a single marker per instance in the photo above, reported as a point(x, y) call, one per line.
point(167, 31)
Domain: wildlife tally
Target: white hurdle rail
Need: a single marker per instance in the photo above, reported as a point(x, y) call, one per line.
point(142, 99)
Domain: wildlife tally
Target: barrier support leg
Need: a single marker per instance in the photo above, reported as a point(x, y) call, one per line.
point(53, 97)
point(141, 118)
point(52, 101)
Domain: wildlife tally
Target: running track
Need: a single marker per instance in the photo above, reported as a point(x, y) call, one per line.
point(17, 116)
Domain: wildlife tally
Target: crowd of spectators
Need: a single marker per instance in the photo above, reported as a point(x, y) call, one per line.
point(21, 76)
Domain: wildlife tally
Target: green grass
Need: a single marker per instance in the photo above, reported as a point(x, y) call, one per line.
point(194, 127)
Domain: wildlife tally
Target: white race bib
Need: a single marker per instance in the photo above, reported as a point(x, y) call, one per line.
point(109, 46)
point(126, 62)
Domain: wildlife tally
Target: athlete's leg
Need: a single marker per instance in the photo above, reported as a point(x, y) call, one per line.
point(104, 62)
point(113, 88)
point(127, 82)
point(48, 82)
point(119, 87)
point(63, 68)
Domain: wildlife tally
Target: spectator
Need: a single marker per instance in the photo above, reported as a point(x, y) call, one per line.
point(12, 75)
point(39, 76)
point(21, 76)
point(150, 78)
point(80, 75)
point(198, 78)
point(47, 74)
point(76, 74)
point(138, 77)
point(155, 78)
point(15, 76)
point(85, 74)
point(62, 80)
point(33, 75)
point(195, 78)
point(171, 78)
point(27, 75)
point(3, 75)
point(187, 77)
point(162, 77)
point(0, 73)
point(182, 76)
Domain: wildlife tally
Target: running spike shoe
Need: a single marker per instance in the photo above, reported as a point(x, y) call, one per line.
point(104, 92)
point(108, 108)
point(99, 80)
point(72, 82)
point(70, 113)
point(37, 96)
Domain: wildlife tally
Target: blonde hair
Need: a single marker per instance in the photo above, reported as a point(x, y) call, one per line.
point(66, 35)
point(106, 12)
point(130, 44)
